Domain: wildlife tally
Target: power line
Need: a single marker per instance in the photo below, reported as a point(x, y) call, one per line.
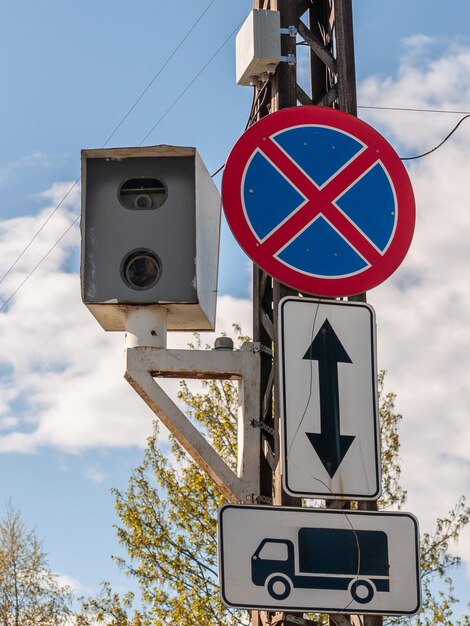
point(379, 108)
point(39, 263)
point(190, 84)
point(256, 98)
point(257, 104)
point(158, 74)
point(78, 179)
point(124, 118)
point(419, 156)
point(46, 221)
point(466, 113)
point(219, 169)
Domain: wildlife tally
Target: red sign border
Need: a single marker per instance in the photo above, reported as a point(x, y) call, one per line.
point(306, 115)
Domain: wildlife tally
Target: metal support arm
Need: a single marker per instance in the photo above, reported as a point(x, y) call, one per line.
point(144, 364)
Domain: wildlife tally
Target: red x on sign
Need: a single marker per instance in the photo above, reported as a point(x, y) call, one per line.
point(319, 200)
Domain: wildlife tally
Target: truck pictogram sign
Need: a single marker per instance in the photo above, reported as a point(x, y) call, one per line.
point(306, 559)
point(324, 558)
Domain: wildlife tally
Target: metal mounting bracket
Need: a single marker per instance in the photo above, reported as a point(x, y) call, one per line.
point(290, 30)
point(343, 620)
point(290, 59)
point(144, 364)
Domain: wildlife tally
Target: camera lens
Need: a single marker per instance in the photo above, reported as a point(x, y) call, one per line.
point(142, 194)
point(141, 269)
point(143, 201)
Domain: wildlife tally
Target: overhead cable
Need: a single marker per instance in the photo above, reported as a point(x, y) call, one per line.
point(12, 295)
point(158, 73)
point(219, 169)
point(123, 119)
point(72, 187)
point(379, 108)
point(419, 156)
point(190, 84)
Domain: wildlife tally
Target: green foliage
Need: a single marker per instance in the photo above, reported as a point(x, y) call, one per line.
point(439, 600)
point(30, 594)
point(110, 608)
point(168, 526)
point(436, 560)
point(393, 494)
point(168, 519)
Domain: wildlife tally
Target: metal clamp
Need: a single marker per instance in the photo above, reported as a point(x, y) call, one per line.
point(290, 30)
point(262, 426)
point(263, 500)
point(266, 350)
point(290, 59)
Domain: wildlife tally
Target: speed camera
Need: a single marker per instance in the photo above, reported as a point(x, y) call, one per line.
point(150, 235)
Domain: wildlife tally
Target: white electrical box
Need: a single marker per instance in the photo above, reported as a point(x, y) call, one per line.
point(258, 45)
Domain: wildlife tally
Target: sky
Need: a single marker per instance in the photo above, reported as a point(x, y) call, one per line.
point(71, 428)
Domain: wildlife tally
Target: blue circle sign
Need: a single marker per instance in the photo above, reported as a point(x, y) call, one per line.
point(319, 200)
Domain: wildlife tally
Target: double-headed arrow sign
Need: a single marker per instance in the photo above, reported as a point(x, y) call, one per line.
point(328, 399)
point(330, 445)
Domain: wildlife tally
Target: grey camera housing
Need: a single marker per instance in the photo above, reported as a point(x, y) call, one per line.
point(155, 209)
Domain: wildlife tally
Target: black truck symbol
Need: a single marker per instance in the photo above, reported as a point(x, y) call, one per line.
point(327, 559)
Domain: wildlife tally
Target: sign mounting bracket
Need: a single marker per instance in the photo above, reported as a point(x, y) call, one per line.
point(144, 364)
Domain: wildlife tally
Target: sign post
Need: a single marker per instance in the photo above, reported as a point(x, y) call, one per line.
point(321, 203)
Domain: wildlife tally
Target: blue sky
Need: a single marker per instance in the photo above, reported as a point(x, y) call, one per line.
point(70, 426)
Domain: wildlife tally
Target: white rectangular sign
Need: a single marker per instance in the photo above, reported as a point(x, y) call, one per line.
point(328, 399)
point(280, 558)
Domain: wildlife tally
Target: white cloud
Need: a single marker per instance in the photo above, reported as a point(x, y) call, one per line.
point(66, 372)
point(67, 581)
point(417, 41)
point(62, 383)
point(420, 82)
point(95, 475)
point(36, 159)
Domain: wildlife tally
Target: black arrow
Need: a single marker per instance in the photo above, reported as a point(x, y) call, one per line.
point(330, 445)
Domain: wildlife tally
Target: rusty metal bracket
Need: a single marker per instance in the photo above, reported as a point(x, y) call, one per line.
point(341, 620)
point(286, 619)
point(263, 426)
point(317, 46)
point(279, 618)
point(144, 364)
point(264, 500)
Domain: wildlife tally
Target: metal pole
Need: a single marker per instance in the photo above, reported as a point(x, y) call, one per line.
point(267, 291)
point(333, 83)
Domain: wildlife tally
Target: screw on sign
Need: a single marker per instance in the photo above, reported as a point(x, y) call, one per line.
point(319, 200)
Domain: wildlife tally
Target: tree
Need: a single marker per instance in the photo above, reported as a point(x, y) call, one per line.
point(436, 559)
point(168, 526)
point(30, 594)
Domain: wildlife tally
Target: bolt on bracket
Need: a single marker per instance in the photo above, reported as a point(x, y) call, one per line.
point(290, 30)
point(290, 59)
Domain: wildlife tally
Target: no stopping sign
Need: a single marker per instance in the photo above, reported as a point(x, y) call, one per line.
point(319, 200)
